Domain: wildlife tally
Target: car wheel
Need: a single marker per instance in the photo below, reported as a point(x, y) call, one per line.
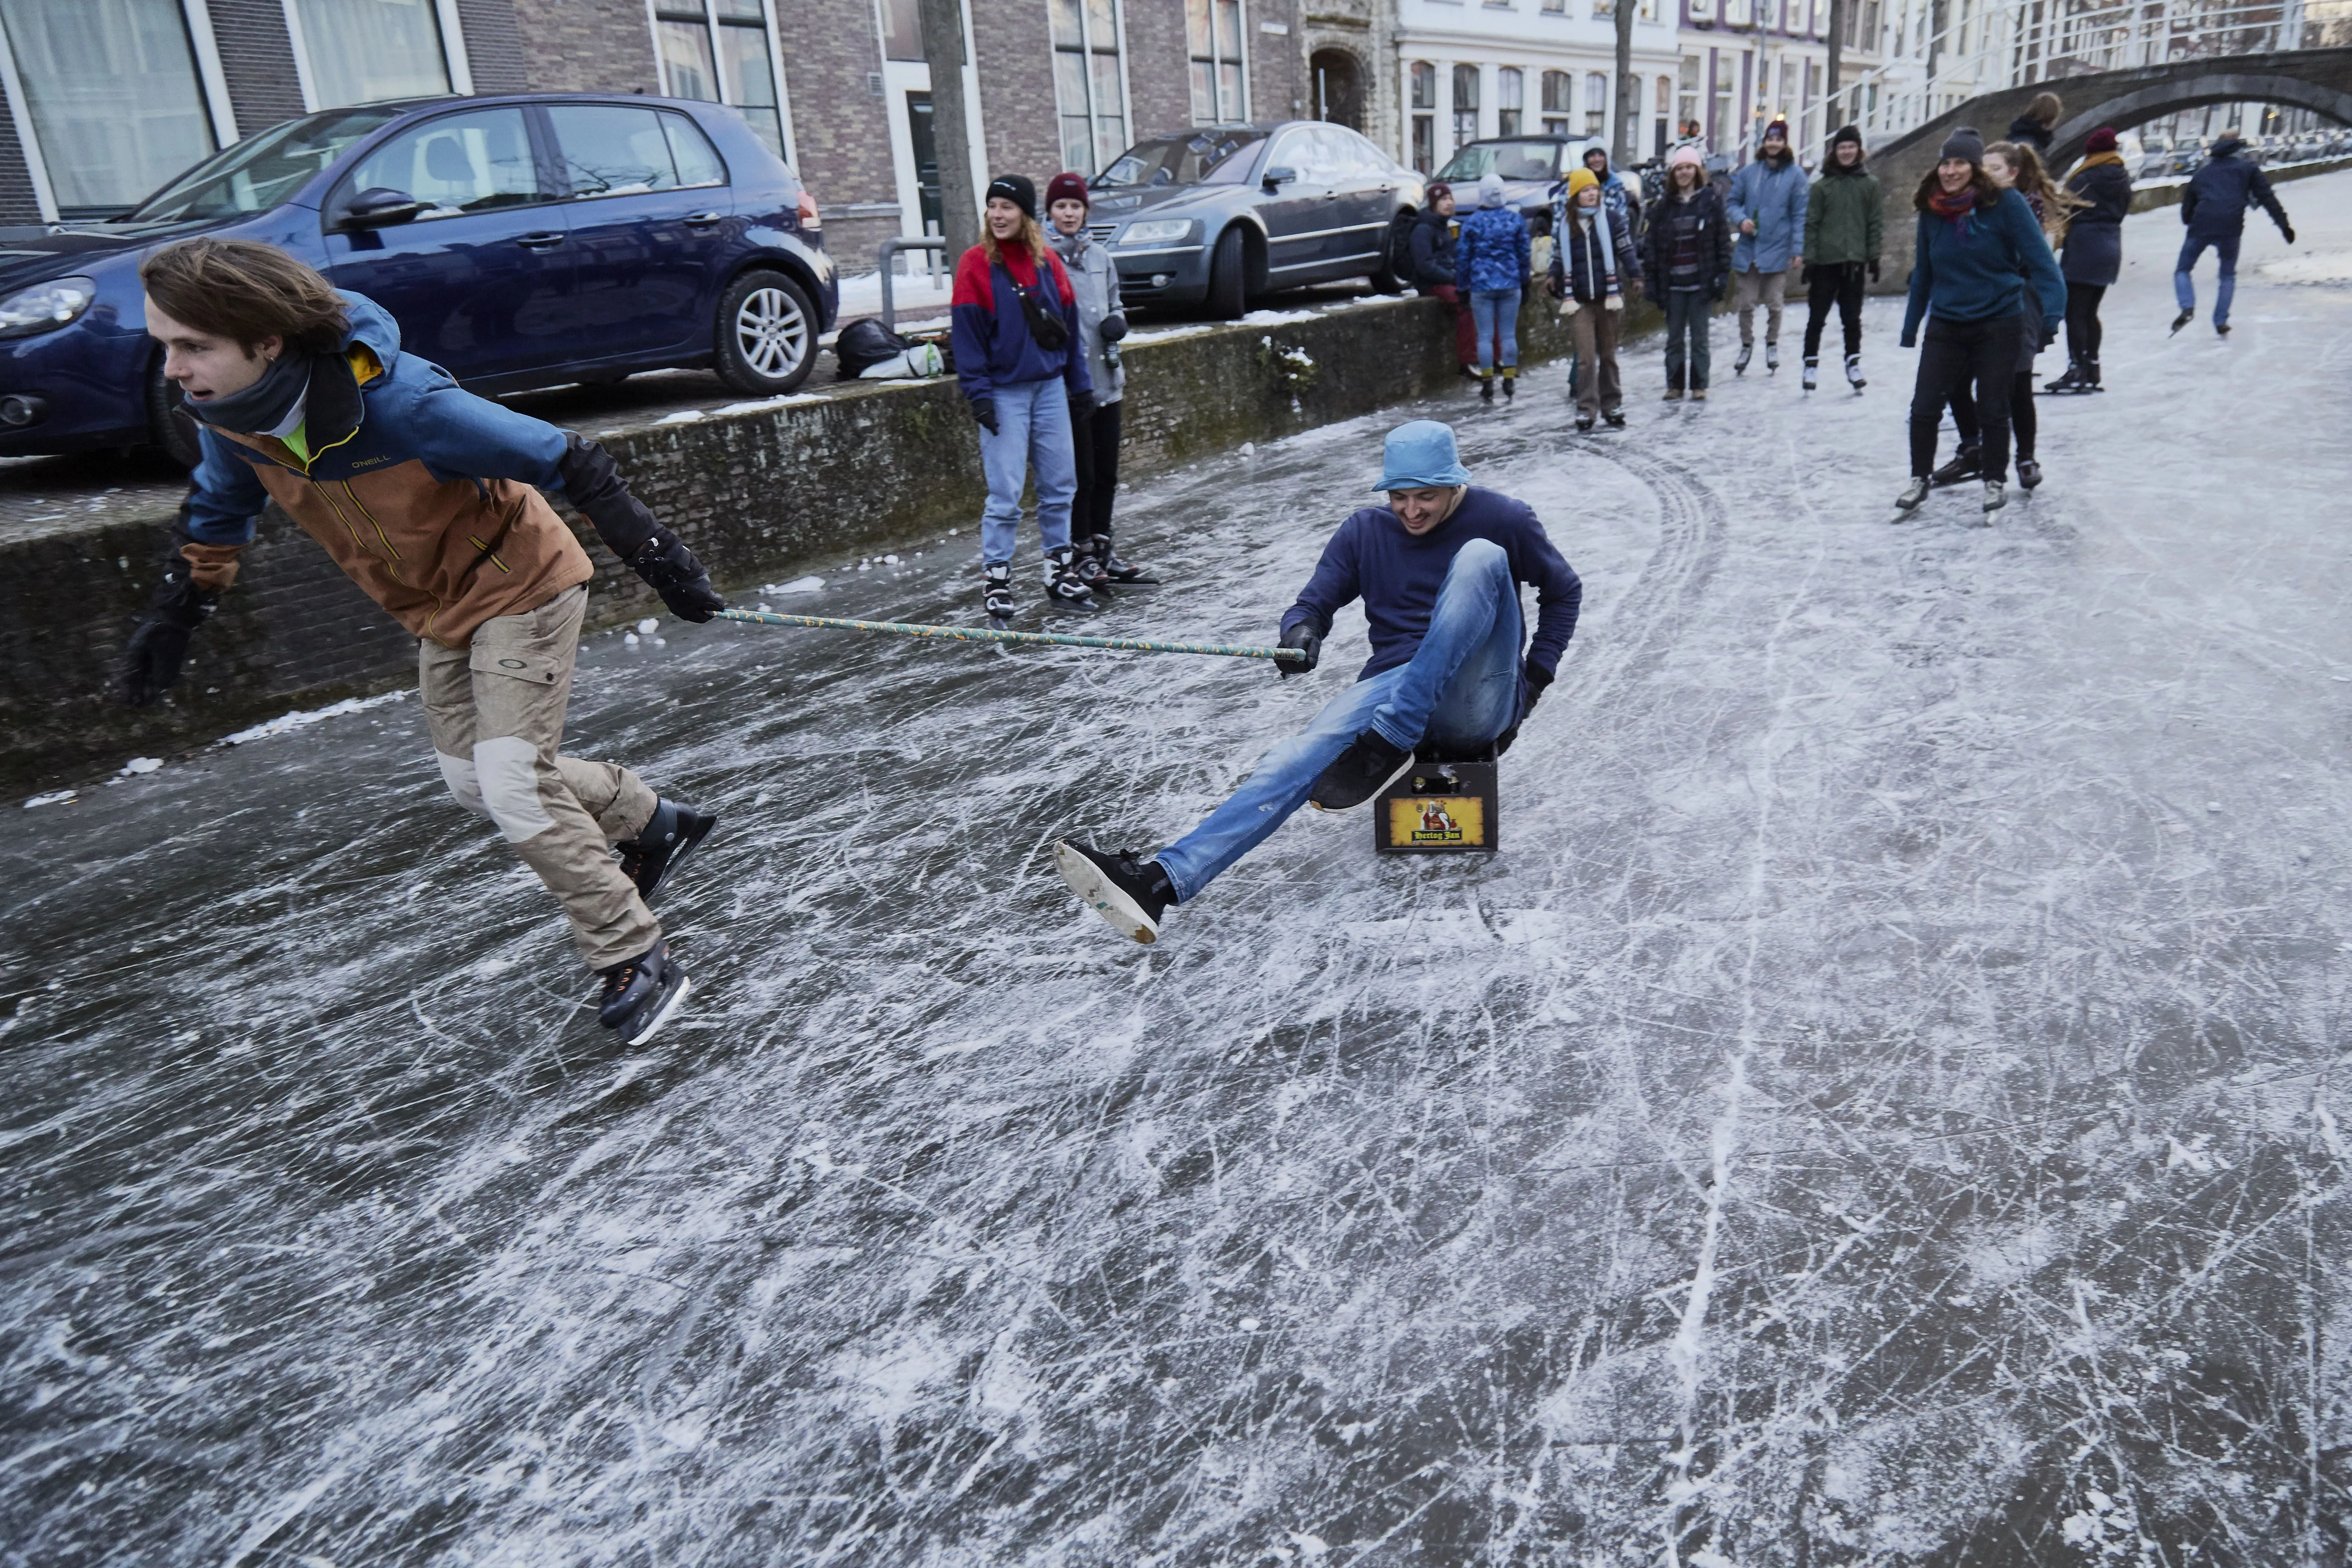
point(1388, 277)
point(170, 425)
point(766, 334)
point(1228, 294)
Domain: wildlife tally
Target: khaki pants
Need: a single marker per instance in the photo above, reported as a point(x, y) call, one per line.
point(1594, 327)
point(496, 711)
point(1774, 287)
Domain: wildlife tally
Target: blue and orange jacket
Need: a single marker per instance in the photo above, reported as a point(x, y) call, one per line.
point(990, 335)
point(423, 493)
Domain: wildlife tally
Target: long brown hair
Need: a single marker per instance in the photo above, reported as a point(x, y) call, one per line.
point(2034, 182)
point(1988, 188)
point(244, 290)
point(1030, 235)
point(2044, 111)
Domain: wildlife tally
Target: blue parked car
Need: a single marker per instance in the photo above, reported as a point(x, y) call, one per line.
point(520, 241)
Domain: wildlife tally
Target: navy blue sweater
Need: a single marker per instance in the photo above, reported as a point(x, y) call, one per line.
point(1976, 269)
point(1397, 575)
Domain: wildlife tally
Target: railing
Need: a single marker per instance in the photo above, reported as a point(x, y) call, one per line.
point(890, 249)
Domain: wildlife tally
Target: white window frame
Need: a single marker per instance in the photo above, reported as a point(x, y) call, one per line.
point(1214, 59)
point(1086, 51)
point(454, 59)
point(212, 83)
point(709, 10)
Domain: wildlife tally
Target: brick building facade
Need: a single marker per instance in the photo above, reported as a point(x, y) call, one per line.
point(838, 86)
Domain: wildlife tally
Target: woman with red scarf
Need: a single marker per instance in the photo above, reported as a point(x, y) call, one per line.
point(1978, 247)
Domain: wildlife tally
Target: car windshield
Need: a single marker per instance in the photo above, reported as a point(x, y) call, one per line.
point(1205, 158)
point(1511, 160)
point(256, 175)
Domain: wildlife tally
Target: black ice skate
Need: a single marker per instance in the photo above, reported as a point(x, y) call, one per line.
point(2073, 381)
point(1063, 583)
point(670, 835)
point(1370, 763)
point(2183, 319)
point(1118, 573)
point(1486, 388)
point(2029, 474)
point(2221, 329)
point(1584, 421)
point(998, 599)
point(1813, 372)
point(1130, 893)
point(1913, 494)
point(1511, 381)
point(1087, 562)
point(1967, 463)
point(1854, 377)
point(1615, 417)
point(641, 995)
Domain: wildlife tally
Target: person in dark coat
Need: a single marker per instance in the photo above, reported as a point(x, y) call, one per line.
point(1687, 263)
point(2093, 257)
point(2214, 207)
point(1432, 246)
point(2041, 118)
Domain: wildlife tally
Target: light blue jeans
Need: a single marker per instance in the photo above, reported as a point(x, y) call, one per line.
point(1032, 432)
point(1496, 311)
point(2225, 251)
point(1459, 690)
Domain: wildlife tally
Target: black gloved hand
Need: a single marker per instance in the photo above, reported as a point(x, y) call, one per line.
point(1873, 269)
point(985, 410)
point(1114, 327)
point(1309, 641)
point(2287, 229)
point(1538, 680)
point(159, 644)
point(670, 567)
point(1805, 274)
point(1082, 404)
point(1714, 293)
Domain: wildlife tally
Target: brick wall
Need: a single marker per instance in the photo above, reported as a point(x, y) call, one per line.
point(17, 203)
point(841, 130)
point(586, 45)
point(1277, 84)
point(1015, 48)
point(493, 45)
point(258, 59)
point(1159, 67)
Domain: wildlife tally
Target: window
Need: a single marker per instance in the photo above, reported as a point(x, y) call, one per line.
point(1665, 109)
point(1555, 7)
point(1212, 30)
point(113, 91)
point(1425, 116)
point(365, 51)
point(1688, 94)
point(1555, 103)
point(256, 173)
point(461, 163)
point(717, 51)
point(902, 30)
point(1465, 104)
point(608, 150)
point(1086, 83)
point(1870, 24)
point(1510, 100)
point(1596, 104)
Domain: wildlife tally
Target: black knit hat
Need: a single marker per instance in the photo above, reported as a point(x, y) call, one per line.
point(1847, 134)
point(1967, 141)
point(1021, 192)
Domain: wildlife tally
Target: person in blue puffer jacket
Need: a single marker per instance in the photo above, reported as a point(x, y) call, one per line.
point(2214, 207)
point(1491, 259)
point(1766, 207)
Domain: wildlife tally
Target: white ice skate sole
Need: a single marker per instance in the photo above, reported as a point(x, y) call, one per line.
point(1102, 894)
point(652, 1024)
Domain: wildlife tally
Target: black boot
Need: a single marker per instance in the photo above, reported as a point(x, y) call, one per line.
point(2091, 374)
point(641, 995)
point(2070, 382)
point(1063, 583)
point(1087, 562)
point(1116, 570)
point(997, 598)
point(1967, 463)
point(1370, 763)
point(1487, 386)
point(668, 837)
point(1128, 892)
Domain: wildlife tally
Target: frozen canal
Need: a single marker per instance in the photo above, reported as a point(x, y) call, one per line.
point(1879, 1108)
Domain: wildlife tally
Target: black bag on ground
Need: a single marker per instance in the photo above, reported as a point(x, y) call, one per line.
point(863, 343)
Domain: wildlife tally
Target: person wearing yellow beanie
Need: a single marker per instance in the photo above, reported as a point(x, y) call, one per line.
point(1592, 266)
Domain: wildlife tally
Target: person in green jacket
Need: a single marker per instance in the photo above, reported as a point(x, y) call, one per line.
point(1842, 224)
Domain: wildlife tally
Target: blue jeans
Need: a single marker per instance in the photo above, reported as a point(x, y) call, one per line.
point(1689, 313)
point(1496, 311)
point(2225, 250)
point(1459, 690)
point(1032, 432)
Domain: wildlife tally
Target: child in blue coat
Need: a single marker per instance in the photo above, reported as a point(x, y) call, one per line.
point(1490, 266)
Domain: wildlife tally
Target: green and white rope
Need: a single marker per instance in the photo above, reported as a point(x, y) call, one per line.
point(982, 634)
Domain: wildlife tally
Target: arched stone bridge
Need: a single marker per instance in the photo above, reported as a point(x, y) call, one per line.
point(2316, 79)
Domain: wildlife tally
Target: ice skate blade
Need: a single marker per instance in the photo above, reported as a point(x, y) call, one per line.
point(667, 1005)
point(1102, 894)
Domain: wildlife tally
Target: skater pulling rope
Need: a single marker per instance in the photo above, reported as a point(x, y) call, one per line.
point(976, 633)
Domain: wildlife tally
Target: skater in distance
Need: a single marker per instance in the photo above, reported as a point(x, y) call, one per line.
point(1102, 324)
point(1768, 206)
point(1439, 570)
point(1022, 370)
point(1843, 227)
point(2093, 257)
point(1592, 273)
point(1490, 269)
point(424, 495)
point(2214, 207)
point(1688, 263)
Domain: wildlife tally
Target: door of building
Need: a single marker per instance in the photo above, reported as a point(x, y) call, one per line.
point(927, 159)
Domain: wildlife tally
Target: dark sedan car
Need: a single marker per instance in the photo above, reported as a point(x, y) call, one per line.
point(1225, 215)
point(1529, 166)
point(521, 241)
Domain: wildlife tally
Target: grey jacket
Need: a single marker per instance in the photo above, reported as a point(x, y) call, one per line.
point(1094, 278)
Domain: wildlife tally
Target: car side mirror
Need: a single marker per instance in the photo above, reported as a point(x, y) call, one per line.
point(379, 207)
point(1280, 176)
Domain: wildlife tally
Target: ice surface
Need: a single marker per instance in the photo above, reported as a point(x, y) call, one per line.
point(1870, 1111)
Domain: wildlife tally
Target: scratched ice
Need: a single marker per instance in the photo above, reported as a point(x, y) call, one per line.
point(1874, 1110)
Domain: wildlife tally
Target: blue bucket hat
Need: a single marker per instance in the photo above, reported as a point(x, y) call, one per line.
point(1421, 455)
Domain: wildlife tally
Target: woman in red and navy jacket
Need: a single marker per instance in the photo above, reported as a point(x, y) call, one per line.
point(1018, 357)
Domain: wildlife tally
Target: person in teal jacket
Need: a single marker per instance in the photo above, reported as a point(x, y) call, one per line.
point(1767, 209)
point(1977, 248)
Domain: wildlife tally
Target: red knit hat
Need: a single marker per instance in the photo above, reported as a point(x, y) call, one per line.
point(1067, 188)
point(2103, 140)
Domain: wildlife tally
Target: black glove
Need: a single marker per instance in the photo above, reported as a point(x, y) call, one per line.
point(670, 567)
point(1113, 328)
point(985, 410)
point(1537, 678)
point(1873, 269)
point(1714, 291)
point(159, 644)
point(1307, 640)
point(2287, 229)
point(1082, 404)
point(1805, 274)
